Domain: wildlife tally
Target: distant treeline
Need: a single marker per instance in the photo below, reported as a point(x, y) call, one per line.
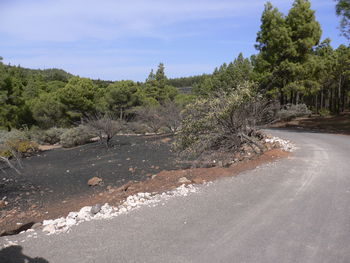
point(53, 97)
point(292, 66)
point(185, 82)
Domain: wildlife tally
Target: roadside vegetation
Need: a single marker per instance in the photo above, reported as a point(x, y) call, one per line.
point(294, 73)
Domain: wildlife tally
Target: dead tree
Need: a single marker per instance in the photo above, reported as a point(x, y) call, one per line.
point(106, 127)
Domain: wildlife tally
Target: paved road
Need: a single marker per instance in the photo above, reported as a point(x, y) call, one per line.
point(295, 210)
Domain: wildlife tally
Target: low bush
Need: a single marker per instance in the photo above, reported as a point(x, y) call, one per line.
point(76, 136)
point(106, 127)
point(12, 135)
point(14, 147)
point(324, 112)
point(137, 127)
point(52, 135)
point(222, 124)
point(292, 111)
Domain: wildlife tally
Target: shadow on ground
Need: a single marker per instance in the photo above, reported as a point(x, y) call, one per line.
point(14, 254)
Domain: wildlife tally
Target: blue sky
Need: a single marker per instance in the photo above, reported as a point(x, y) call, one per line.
point(117, 39)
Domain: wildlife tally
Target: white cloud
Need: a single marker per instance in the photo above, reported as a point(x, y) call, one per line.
point(119, 39)
point(68, 20)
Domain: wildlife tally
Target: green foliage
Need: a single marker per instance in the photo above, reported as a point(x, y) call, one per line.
point(78, 97)
point(285, 67)
point(291, 66)
point(292, 111)
point(22, 147)
point(121, 96)
point(186, 81)
point(220, 123)
point(52, 135)
point(226, 78)
point(156, 86)
point(13, 135)
point(343, 10)
point(76, 136)
point(16, 142)
point(184, 99)
point(48, 110)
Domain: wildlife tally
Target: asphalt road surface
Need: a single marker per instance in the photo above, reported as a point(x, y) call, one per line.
point(294, 210)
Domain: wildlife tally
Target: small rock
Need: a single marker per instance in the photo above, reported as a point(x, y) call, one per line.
point(60, 222)
point(47, 222)
point(72, 215)
point(2, 203)
point(184, 180)
point(94, 181)
point(70, 222)
point(49, 228)
point(36, 225)
point(84, 213)
point(154, 176)
point(198, 180)
point(95, 209)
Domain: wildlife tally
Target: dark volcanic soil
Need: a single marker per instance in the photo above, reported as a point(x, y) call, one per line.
point(339, 124)
point(54, 183)
point(53, 176)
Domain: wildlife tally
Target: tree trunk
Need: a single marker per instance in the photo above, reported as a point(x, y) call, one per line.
point(297, 98)
point(339, 94)
point(331, 102)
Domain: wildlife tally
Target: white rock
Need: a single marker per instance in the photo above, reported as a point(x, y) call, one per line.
point(60, 223)
point(70, 222)
point(84, 213)
point(72, 215)
point(49, 228)
point(47, 222)
point(184, 180)
point(133, 202)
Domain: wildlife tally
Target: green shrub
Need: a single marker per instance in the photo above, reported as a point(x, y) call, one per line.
point(52, 135)
point(292, 111)
point(76, 136)
point(137, 127)
point(18, 146)
point(12, 135)
point(324, 112)
point(222, 124)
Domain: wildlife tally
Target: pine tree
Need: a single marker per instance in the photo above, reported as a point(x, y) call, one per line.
point(284, 66)
point(343, 10)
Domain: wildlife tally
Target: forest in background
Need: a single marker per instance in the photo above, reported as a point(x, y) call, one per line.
point(293, 66)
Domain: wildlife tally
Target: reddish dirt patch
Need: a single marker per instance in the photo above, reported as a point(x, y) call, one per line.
point(48, 147)
point(166, 140)
point(332, 124)
point(163, 181)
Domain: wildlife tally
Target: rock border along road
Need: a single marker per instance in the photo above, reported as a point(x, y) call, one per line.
point(294, 210)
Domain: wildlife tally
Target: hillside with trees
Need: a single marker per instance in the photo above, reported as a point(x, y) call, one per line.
point(293, 66)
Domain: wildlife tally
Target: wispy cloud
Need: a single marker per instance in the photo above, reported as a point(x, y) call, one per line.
point(67, 20)
point(120, 39)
